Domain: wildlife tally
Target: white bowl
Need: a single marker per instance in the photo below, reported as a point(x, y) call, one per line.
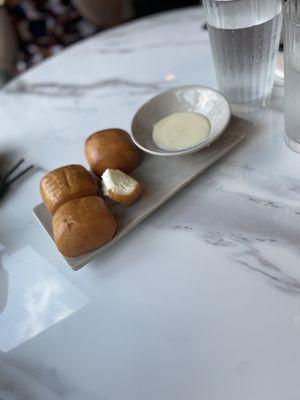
point(199, 99)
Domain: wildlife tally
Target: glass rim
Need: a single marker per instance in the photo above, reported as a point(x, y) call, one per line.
point(224, 1)
point(286, 15)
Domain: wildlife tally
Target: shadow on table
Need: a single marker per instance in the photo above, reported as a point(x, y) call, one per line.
point(3, 284)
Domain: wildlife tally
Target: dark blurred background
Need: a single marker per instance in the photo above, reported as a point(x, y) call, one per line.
point(144, 7)
point(32, 30)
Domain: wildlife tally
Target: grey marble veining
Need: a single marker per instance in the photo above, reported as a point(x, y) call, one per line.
point(74, 90)
point(246, 230)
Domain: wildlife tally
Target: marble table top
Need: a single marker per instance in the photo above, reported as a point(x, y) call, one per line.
point(202, 300)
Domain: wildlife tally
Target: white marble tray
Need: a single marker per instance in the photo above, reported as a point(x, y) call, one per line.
point(162, 178)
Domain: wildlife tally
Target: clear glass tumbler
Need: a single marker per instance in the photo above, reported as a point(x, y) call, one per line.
point(292, 73)
point(244, 37)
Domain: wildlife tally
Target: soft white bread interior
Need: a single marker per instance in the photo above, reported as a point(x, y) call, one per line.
point(120, 187)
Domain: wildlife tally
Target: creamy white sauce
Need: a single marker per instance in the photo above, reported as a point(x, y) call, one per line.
point(180, 131)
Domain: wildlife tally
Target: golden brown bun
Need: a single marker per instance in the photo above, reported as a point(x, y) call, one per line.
point(111, 148)
point(64, 184)
point(83, 225)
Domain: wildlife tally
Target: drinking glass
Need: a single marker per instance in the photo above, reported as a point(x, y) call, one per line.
point(292, 73)
point(244, 37)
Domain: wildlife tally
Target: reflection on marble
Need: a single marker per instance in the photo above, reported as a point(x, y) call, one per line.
point(38, 297)
point(199, 302)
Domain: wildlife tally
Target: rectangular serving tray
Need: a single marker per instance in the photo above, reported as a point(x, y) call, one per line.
point(162, 178)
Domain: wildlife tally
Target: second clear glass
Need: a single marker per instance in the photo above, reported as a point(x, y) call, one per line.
point(244, 37)
point(292, 73)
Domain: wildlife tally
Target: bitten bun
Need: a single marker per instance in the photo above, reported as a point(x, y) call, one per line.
point(82, 225)
point(64, 184)
point(111, 148)
point(120, 187)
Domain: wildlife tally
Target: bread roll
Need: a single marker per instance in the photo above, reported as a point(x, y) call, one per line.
point(82, 225)
point(121, 187)
point(64, 184)
point(111, 148)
